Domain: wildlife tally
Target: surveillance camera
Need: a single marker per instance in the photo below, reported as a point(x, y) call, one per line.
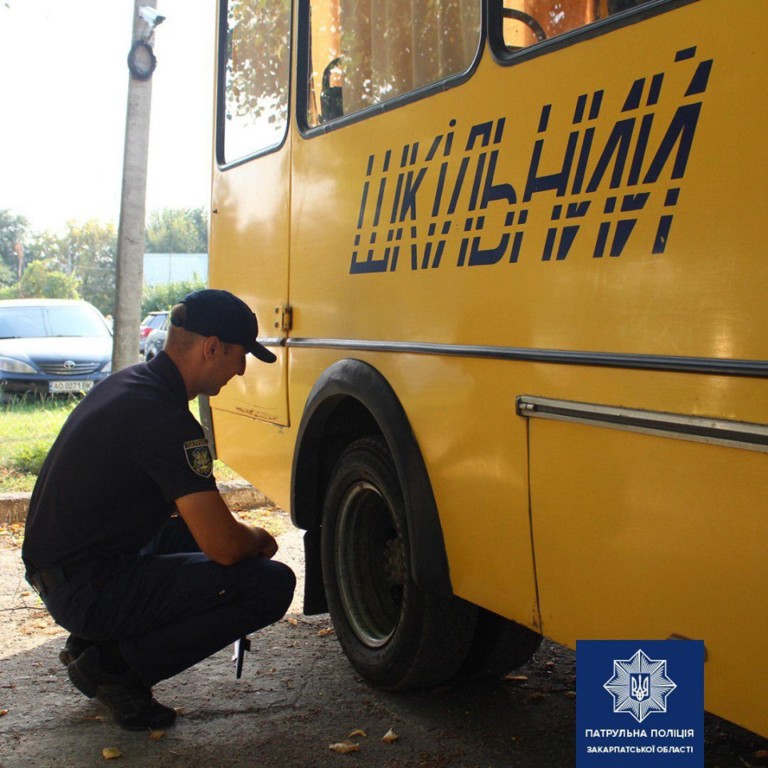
point(150, 15)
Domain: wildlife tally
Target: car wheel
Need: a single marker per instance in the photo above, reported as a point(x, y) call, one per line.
point(394, 633)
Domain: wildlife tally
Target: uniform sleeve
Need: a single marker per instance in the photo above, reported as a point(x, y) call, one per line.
point(176, 456)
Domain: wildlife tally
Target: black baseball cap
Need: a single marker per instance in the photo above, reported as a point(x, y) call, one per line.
point(213, 312)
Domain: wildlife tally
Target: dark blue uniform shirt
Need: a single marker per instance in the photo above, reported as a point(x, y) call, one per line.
point(125, 453)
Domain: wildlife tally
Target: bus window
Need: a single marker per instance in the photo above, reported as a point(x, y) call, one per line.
point(527, 22)
point(366, 53)
point(253, 78)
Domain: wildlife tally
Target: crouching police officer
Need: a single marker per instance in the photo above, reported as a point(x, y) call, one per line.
point(128, 541)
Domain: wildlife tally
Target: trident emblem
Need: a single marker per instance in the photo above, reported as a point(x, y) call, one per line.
point(640, 686)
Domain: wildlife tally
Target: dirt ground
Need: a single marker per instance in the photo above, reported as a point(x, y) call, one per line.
point(297, 696)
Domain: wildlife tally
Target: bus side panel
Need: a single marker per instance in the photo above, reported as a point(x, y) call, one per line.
point(619, 214)
point(392, 241)
point(643, 536)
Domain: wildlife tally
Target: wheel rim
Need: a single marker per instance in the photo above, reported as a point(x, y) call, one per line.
point(370, 564)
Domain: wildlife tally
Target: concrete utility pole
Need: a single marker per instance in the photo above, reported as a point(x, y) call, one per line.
point(130, 237)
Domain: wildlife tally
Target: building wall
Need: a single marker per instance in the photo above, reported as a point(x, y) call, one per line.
point(165, 268)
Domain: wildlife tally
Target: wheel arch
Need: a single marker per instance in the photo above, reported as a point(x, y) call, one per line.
point(352, 399)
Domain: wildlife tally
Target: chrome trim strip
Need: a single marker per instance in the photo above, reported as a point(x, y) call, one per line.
point(736, 434)
point(704, 365)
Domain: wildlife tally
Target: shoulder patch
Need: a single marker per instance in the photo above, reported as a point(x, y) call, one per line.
point(199, 457)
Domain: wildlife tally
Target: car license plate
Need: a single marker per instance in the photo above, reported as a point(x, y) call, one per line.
point(69, 386)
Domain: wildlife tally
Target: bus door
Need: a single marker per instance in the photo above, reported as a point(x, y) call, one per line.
point(251, 193)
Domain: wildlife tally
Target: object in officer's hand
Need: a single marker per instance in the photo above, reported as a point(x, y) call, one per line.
point(241, 646)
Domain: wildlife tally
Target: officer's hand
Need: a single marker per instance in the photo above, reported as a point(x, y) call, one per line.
point(218, 534)
point(266, 544)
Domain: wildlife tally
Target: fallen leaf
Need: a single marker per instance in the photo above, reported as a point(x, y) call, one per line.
point(3, 712)
point(293, 622)
point(156, 735)
point(344, 747)
point(111, 753)
point(324, 632)
point(357, 732)
point(390, 737)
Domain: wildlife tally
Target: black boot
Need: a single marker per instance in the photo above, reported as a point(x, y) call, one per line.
point(73, 648)
point(129, 700)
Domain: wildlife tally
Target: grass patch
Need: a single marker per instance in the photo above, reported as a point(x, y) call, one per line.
point(27, 431)
point(29, 459)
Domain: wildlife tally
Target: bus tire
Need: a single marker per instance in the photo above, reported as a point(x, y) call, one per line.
point(500, 645)
point(395, 634)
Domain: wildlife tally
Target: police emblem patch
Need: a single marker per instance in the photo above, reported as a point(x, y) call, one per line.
point(199, 457)
point(640, 685)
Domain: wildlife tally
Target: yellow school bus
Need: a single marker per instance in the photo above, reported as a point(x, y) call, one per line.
point(511, 257)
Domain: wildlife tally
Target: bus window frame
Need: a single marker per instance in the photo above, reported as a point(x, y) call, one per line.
point(220, 106)
point(302, 76)
point(505, 56)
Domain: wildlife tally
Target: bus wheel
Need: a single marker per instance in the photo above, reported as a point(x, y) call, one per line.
point(500, 645)
point(394, 634)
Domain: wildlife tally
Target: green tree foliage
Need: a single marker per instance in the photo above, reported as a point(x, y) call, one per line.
point(6, 277)
point(91, 249)
point(13, 233)
point(177, 230)
point(160, 297)
point(42, 280)
point(51, 248)
point(81, 262)
point(258, 57)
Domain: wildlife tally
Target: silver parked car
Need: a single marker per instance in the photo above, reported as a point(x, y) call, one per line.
point(150, 323)
point(52, 347)
point(156, 340)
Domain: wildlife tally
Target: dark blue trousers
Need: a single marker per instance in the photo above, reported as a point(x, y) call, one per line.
point(169, 607)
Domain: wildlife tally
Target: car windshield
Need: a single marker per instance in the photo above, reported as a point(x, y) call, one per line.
point(154, 321)
point(39, 322)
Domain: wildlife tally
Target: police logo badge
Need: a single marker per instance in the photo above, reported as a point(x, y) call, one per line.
point(640, 685)
point(199, 457)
